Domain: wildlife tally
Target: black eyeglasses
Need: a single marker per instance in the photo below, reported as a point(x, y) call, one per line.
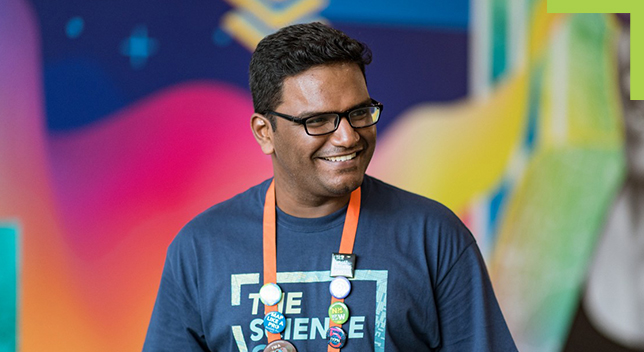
point(322, 124)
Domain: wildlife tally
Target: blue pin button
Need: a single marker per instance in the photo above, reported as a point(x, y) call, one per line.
point(274, 322)
point(337, 337)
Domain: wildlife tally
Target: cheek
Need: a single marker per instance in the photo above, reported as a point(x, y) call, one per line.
point(297, 150)
point(369, 135)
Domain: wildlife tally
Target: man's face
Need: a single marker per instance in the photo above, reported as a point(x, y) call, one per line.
point(332, 165)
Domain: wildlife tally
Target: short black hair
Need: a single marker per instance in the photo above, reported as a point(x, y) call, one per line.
point(293, 50)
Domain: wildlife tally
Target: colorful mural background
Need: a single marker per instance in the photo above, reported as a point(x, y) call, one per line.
point(121, 120)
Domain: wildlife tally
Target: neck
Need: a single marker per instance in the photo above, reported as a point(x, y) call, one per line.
point(307, 207)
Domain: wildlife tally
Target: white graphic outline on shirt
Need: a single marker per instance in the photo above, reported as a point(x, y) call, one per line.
point(379, 276)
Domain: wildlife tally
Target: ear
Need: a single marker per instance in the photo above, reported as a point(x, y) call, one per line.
point(263, 132)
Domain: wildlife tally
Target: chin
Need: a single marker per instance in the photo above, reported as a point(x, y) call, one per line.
point(345, 185)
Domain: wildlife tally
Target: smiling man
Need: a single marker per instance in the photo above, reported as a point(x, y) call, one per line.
point(317, 159)
point(321, 256)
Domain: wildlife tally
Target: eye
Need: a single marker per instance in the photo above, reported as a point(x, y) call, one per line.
point(360, 113)
point(320, 120)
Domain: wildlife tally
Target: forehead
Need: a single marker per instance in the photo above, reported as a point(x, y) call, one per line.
point(324, 88)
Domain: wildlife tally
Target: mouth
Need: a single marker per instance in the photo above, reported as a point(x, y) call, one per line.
point(341, 158)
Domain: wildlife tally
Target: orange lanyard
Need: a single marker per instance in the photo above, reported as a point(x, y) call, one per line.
point(270, 250)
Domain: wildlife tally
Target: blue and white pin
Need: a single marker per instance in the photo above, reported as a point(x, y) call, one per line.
point(337, 337)
point(274, 322)
point(340, 287)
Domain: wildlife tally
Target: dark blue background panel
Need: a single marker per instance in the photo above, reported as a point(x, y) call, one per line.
point(99, 57)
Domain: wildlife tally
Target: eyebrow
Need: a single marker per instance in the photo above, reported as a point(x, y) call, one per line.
point(315, 113)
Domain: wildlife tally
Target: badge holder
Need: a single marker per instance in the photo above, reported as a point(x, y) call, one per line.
point(342, 268)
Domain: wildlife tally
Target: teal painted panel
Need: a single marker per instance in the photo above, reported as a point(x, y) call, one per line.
point(449, 14)
point(8, 287)
point(499, 38)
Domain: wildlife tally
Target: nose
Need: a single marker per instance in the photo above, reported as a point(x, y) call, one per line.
point(345, 136)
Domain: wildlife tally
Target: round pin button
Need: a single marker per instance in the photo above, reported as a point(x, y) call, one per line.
point(270, 294)
point(340, 287)
point(339, 313)
point(337, 337)
point(280, 346)
point(274, 322)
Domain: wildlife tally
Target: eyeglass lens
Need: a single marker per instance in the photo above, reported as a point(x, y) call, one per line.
point(361, 117)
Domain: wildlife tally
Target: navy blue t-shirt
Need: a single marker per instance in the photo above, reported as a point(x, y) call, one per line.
point(420, 281)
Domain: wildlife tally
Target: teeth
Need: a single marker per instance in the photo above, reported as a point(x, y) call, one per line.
point(341, 158)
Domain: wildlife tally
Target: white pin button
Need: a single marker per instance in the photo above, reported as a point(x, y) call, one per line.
point(270, 294)
point(340, 287)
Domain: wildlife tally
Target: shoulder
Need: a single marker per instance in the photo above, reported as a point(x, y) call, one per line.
point(247, 203)
point(414, 217)
point(231, 216)
point(405, 204)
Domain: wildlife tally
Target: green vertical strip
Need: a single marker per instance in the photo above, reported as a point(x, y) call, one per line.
point(8, 286)
point(637, 53)
point(499, 38)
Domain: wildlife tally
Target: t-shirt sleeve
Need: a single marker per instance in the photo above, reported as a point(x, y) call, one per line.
point(176, 323)
point(469, 314)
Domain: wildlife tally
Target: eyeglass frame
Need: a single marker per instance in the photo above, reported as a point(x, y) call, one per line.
point(345, 114)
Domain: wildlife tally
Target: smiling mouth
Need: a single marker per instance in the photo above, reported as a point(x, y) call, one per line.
point(341, 157)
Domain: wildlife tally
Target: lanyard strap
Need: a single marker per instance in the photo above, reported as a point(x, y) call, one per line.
point(270, 250)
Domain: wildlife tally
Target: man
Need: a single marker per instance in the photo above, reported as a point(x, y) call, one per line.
point(270, 268)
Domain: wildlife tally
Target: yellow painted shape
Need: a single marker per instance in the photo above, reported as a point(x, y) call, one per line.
point(541, 25)
point(454, 152)
point(235, 25)
point(282, 17)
